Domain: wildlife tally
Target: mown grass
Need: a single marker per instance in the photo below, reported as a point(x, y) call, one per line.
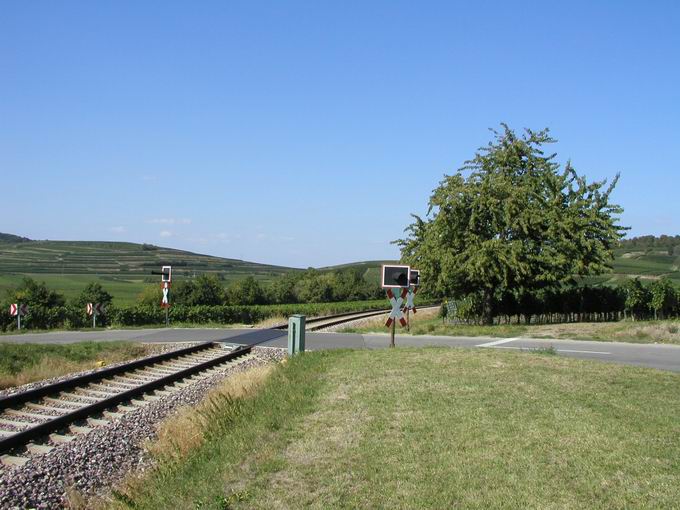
point(24, 363)
point(431, 428)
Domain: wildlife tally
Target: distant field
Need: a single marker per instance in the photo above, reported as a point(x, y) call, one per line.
point(649, 263)
point(124, 289)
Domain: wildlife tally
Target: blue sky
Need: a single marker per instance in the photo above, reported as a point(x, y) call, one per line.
point(305, 133)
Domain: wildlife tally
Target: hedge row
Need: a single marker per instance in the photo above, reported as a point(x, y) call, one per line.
point(70, 317)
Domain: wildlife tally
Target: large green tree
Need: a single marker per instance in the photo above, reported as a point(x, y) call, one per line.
point(33, 293)
point(93, 293)
point(511, 220)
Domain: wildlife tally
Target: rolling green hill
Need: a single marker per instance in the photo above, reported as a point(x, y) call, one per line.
point(369, 268)
point(122, 268)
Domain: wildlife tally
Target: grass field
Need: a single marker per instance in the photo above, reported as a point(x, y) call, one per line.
point(427, 323)
point(24, 363)
point(124, 289)
point(427, 428)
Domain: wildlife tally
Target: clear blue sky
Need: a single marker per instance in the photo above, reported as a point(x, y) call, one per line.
point(304, 134)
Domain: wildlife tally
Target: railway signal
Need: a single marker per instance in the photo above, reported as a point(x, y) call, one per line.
point(17, 310)
point(166, 274)
point(95, 309)
point(395, 277)
point(166, 281)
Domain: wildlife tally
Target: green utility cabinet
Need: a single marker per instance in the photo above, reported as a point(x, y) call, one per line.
point(296, 334)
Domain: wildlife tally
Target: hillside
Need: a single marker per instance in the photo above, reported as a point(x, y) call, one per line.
point(123, 268)
point(648, 257)
point(370, 269)
point(11, 238)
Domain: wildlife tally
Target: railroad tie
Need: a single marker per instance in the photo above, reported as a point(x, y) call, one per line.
point(39, 449)
point(11, 460)
point(61, 438)
point(20, 413)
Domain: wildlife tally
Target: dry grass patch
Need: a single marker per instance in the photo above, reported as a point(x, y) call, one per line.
point(272, 321)
point(26, 363)
point(666, 332)
point(186, 429)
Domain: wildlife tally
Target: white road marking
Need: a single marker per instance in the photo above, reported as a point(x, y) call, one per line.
point(498, 342)
point(586, 352)
point(539, 348)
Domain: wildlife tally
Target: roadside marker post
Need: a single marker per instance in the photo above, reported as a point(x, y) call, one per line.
point(296, 334)
point(395, 277)
point(17, 310)
point(95, 309)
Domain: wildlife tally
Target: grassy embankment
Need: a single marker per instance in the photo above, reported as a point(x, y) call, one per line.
point(24, 363)
point(427, 323)
point(425, 428)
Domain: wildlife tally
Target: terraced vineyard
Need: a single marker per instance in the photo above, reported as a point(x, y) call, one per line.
point(649, 264)
point(123, 268)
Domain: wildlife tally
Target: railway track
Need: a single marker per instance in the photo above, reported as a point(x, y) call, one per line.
point(316, 323)
point(35, 421)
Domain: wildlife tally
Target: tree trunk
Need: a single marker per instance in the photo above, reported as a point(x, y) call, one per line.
point(487, 311)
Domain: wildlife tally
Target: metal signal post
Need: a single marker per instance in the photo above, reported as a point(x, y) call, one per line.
point(395, 277)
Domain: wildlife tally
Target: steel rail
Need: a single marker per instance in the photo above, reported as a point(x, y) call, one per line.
point(43, 391)
point(376, 311)
point(41, 429)
point(335, 320)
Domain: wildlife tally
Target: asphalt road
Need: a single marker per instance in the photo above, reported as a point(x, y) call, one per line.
point(665, 357)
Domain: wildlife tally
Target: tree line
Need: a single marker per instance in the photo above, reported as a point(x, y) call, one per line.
point(668, 244)
point(310, 286)
point(204, 299)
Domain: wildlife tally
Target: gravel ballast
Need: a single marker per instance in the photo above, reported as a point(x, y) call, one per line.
point(93, 462)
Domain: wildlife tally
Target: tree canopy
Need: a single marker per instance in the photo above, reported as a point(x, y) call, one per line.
point(510, 220)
